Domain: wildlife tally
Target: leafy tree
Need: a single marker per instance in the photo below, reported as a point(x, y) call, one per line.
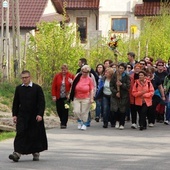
point(51, 47)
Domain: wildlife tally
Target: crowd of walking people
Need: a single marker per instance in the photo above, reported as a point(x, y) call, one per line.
point(136, 91)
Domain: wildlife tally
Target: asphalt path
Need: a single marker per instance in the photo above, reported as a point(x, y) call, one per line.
point(97, 149)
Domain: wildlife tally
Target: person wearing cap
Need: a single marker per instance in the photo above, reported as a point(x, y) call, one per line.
point(82, 95)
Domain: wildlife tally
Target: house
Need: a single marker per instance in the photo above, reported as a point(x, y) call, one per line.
point(84, 14)
point(117, 16)
point(101, 17)
point(96, 18)
point(31, 12)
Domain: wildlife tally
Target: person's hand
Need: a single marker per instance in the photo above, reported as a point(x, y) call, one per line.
point(118, 83)
point(163, 98)
point(54, 98)
point(70, 80)
point(144, 91)
point(15, 119)
point(38, 118)
point(118, 94)
point(91, 101)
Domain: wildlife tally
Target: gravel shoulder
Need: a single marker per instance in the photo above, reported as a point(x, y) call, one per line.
point(51, 121)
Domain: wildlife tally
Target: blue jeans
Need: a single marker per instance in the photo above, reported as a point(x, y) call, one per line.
point(99, 108)
point(106, 108)
point(167, 115)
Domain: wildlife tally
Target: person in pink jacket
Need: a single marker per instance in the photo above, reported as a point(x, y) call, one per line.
point(143, 91)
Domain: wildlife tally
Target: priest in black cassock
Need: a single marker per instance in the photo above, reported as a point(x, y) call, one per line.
point(28, 111)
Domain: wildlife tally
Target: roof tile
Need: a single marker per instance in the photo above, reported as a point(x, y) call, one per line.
point(147, 9)
point(30, 12)
point(82, 4)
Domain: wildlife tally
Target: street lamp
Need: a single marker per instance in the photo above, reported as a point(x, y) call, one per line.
point(5, 4)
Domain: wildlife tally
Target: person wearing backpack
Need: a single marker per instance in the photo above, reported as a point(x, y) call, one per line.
point(143, 91)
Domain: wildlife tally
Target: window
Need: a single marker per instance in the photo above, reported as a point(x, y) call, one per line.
point(82, 28)
point(119, 25)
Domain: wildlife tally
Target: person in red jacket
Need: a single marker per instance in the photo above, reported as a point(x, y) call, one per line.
point(60, 90)
point(143, 91)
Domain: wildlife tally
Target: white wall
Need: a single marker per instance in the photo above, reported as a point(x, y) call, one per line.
point(117, 9)
point(91, 20)
point(49, 8)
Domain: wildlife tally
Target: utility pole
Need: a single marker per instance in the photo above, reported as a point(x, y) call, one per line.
point(16, 37)
point(5, 40)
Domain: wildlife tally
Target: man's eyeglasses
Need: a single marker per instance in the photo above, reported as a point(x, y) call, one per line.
point(25, 77)
point(160, 65)
point(142, 63)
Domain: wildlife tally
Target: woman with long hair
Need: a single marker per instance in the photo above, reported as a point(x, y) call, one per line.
point(120, 95)
point(100, 69)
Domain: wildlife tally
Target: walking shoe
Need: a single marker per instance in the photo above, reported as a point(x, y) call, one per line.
point(105, 125)
point(151, 125)
point(36, 156)
point(121, 127)
point(88, 123)
point(14, 157)
point(141, 128)
point(63, 127)
point(97, 119)
point(161, 121)
point(117, 125)
point(166, 122)
point(112, 125)
point(134, 126)
point(79, 125)
point(84, 127)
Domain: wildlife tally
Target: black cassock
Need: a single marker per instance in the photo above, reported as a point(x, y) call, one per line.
point(27, 104)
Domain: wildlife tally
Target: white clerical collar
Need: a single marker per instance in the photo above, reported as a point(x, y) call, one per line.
point(30, 84)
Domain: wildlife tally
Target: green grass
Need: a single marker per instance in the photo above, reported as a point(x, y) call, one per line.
point(6, 135)
point(7, 92)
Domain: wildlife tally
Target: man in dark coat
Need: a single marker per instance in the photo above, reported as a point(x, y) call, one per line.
point(28, 111)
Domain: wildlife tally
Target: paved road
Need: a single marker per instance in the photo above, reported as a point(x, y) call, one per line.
point(97, 149)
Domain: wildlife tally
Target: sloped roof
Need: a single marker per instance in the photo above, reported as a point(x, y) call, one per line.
point(82, 4)
point(30, 12)
point(54, 16)
point(58, 5)
point(147, 9)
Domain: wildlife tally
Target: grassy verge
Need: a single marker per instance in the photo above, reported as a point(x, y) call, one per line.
point(6, 135)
